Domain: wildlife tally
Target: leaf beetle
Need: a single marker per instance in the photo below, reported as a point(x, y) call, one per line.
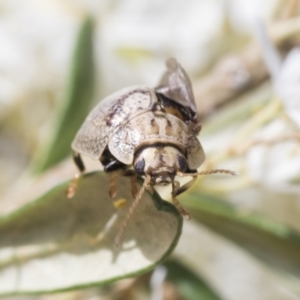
point(146, 132)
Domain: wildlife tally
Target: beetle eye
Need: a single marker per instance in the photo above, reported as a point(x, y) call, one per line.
point(139, 167)
point(182, 164)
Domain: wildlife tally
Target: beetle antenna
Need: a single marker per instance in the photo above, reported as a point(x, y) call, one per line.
point(208, 172)
point(131, 210)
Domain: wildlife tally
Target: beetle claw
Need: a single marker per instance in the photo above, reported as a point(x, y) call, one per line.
point(71, 191)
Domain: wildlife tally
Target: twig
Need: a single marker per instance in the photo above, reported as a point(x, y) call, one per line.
point(235, 74)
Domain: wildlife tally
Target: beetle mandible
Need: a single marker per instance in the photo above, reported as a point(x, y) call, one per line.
point(141, 131)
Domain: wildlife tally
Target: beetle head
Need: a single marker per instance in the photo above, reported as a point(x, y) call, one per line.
point(161, 163)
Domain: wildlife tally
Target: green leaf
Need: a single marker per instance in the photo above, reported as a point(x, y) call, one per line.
point(188, 284)
point(77, 103)
point(55, 243)
point(275, 244)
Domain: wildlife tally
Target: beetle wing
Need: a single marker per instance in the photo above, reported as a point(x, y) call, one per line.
point(111, 113)
point(151, 128)
point(176, 85)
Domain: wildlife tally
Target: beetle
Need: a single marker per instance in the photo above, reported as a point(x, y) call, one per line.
point(145, 132)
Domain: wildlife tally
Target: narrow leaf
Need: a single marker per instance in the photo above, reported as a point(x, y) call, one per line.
point(77, 103)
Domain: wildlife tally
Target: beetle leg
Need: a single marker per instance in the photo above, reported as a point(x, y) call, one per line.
point(150, 189)
point(74, 183)
point(78, 162)
point(185, 186)
point(175, 189)
point(113, 185)
point(113, 182)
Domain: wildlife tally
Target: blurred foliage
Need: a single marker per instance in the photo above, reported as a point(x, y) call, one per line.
point(274, 243)
point(188, 284)
point(245, 128)
point(77, 102)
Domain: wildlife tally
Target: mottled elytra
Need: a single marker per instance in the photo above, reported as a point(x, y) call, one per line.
point(147, 132)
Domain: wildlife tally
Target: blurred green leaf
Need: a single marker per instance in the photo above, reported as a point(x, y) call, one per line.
point(275, 244)
point(134, 54)
point(55, 243)
point(188, 284)
point(77, 102)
